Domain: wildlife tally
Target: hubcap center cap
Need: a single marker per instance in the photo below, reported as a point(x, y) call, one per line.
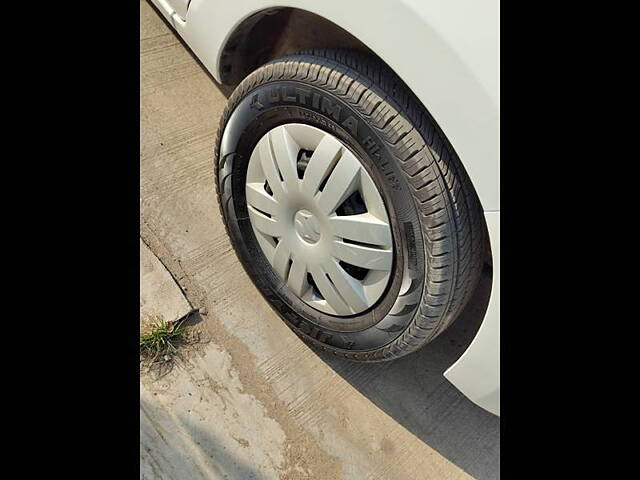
point(306, 226)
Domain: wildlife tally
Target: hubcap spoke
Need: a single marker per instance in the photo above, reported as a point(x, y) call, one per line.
point(364, 257)
point(280, 260)
point(322, 161)
point(285, 150)
point(269, 168)
point(364, 228)
point(351, 290)
point(331, 248)
point(329, 292)
point(341, 183)
point(372, 198)
point(264, 224)
point(259, 199)
point(297, 280)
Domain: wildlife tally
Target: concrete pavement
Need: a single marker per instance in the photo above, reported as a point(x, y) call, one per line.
point(256, 402)
point(160, 296)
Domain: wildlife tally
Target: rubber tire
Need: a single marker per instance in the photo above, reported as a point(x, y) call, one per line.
point(447, 245)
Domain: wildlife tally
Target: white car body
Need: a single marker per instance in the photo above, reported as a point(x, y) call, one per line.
point(448, 53)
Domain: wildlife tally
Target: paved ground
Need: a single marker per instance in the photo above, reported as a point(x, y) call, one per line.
point(160, 296)
point(256, 402)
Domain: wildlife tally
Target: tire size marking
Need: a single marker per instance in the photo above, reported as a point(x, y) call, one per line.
point(373, 149)
point(412, 263)
point(310, 330)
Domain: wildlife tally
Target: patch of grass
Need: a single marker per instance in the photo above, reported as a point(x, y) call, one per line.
point(161, 340)
point(165, 345)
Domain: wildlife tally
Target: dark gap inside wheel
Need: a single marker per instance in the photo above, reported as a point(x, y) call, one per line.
point(356, 272)
point(303, 161)
point(262, 212)
point(288, 268)
point(353, 205)
point(328, 174)
point(267, 188)
point(337, 290)
point(362, 244)
point(313, 285)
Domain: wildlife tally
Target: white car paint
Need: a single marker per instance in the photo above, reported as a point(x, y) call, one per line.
point(448, 52)
point(477, 371)
point(175, 11)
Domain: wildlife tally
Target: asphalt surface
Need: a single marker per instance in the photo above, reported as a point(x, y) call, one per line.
point(255, 402)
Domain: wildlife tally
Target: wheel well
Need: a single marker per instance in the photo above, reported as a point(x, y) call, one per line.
point(276, 32)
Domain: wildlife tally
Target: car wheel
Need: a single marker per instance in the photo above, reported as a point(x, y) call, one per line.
point(346, 205)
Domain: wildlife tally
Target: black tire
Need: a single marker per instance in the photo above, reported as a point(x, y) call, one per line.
point(437, 222)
